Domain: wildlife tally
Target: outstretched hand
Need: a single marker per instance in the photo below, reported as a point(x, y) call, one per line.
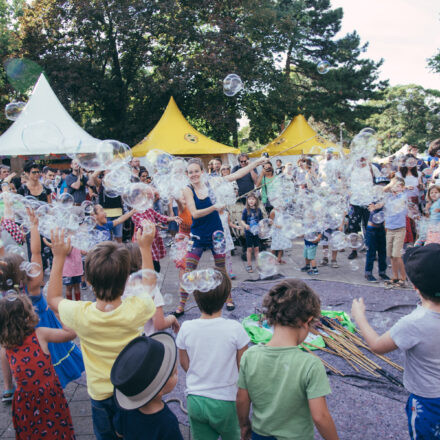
point(145, 236)
point(60, 247)
point(32, 217)
point(358, 308)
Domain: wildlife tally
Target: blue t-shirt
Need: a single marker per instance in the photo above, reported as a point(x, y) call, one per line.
point(252, 218)
point(395, 211)
point(107, 228)
point(135, 425)
point(434, 216)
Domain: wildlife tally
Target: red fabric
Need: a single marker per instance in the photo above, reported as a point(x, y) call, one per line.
point(157, 248)
point(13, 229)
point(39, 408)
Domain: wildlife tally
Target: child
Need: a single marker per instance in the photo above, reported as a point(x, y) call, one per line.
point(108, 226)
point(325, 239)
point(66, 358)
point(142, 374)
point(226, 223)
point(414, 335)
point(286, 386)
point(251, 216)
point(159, 321)
point(158, 248)
point(310, 247)
point(395, 224)
point(375, 239)
point(212, 373)
point(280, 242)
point(72, 273)
point(108, 325)
point(39, 408)
point(433, 197)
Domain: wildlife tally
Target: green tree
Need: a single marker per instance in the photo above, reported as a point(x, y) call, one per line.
point(434, 62)
point(406, 115)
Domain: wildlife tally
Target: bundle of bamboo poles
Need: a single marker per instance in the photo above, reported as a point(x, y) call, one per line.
point(341, 342)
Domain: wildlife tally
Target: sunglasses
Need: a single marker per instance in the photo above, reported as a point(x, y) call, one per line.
point(35, 172)
point(243, 161)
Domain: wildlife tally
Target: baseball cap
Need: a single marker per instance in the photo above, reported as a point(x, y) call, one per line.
point(422, 267)
point(381, 179)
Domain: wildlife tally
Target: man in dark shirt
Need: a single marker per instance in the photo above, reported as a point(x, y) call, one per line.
point(76, 183)
point(247, 182)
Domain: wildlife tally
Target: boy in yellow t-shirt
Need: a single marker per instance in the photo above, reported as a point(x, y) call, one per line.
point(106, 326)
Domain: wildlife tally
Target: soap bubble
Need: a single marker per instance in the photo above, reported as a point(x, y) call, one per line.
point(378, 217)
point(399, 134)
point(338, 241)
point(179, 249)
point(160, 160)
point(232, 84)
point(14, 109)
point(264, 228)
point(15, 249)
point(219, 242)
point(142, 282)
point(354, 241)
point(401, 108)
point(168, 299)
point(224, 192)
point(22, 73)
point(139, 196)
point(87, 207)
point(65, 200)
point(429, 126)
point(41, 136)
point(267, 264)
point(202, 280)
point(354, 265)
point(311, 236)
point(32, 269)
point(101, 155)
point(323, 67)
point(411, 162)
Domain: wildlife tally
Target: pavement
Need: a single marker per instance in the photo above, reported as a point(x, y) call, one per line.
point(348, 273)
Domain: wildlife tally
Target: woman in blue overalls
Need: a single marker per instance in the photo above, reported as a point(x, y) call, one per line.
point(206, 221)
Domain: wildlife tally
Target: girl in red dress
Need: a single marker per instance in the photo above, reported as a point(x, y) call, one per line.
point(39, 408)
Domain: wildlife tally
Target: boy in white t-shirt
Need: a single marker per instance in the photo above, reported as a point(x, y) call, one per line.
point(210, 349)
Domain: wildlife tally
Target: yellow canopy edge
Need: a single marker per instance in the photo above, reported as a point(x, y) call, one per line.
point(296, 132)
point(174, 134)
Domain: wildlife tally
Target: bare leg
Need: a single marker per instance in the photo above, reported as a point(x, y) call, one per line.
point(69, 289)
point(6, 371)
point(249, 256)
point(77, 292)
point(395, 268)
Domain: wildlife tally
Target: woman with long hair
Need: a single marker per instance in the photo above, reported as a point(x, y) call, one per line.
point(205, 220)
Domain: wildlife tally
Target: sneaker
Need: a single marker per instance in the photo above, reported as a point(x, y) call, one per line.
point(232, 276)
point(352, 255)
point(370, 278)
point(306, 268)
point(384, 276)
point(334, 264)
point(324, 261)
point(83, 285)
point(313, 271)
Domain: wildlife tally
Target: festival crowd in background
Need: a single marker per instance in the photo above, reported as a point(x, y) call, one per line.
point(129, 370)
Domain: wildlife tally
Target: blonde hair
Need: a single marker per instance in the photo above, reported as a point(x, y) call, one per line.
point(394, 181)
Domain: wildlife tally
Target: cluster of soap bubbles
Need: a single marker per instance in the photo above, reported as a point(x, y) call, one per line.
point(202, 280)
point(32, 269)
point(141, 283)
point(232, 84)
point(179, 248)
point(222, 191)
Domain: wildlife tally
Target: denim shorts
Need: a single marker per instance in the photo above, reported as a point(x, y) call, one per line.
point(310, 251)
point(70, 281)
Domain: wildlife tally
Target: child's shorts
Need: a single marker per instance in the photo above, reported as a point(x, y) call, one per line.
point(395, 240)
point(211, 418)
point(70, 281)
point(252, 240)
point(423, 417)
point(310, 251)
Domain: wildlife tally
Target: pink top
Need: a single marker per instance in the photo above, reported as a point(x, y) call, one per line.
point(73, 265)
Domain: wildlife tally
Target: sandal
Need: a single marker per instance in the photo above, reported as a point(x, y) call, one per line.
point(178, 313)
point(389, 284)
point(8, 395)
point(401, 283)
point(249, 269)
point(230, 306)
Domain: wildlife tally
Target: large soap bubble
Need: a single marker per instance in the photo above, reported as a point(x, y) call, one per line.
point(219, 242)
point(14, 109)
point(142, 282)
point(267, 264)
point(139, 196)
point(232, 84)
point(323, 67)
point(160, 160)
point(201, 280)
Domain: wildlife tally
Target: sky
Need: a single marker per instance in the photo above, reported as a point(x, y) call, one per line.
point(402, 32)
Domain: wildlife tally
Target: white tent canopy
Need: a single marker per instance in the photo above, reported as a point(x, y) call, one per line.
point(44, 127)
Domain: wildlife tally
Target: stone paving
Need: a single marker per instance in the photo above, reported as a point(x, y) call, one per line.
point(76, 393)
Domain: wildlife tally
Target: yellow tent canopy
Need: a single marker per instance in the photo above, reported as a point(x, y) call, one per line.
point(296, 132)
point(174, 134)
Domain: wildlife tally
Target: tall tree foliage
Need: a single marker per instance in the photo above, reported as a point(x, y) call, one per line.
point(406, 115)
point(116, 63)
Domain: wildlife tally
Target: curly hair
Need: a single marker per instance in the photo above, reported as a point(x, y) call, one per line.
point(11, 275)
point(18, 319)
point(291, 303)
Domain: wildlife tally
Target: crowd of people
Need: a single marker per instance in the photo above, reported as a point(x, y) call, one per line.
point(130, 361)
